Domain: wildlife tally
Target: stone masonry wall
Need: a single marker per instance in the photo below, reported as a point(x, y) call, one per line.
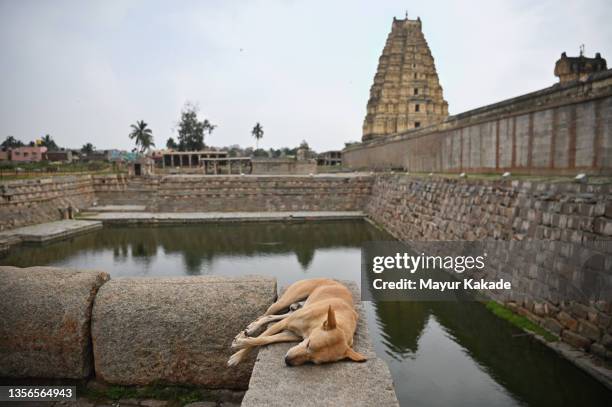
point(564, 129)
point(26, 202)
point(198, 193)
point(417, 208)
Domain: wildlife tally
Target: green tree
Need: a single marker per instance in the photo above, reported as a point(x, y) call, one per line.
point(11, 142)
point(48, 142)
point(191, 130)
point(142, 135)
point(258, 133)
point(88, 148)
point(171, 144)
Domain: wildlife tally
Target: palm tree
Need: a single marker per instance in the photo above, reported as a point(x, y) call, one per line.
point(258, 133)
point(143, 136)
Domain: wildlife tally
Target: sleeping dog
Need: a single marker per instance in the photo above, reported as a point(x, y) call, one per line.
point(324, 325)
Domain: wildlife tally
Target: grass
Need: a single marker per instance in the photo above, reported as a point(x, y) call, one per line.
point(519, 321)
point(12, 171)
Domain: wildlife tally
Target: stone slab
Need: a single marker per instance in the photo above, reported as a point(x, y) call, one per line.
point(117, 208)
point(44, 321)
point(342, 383)
point(204, 217)
point(45, 232)
point(175, 330)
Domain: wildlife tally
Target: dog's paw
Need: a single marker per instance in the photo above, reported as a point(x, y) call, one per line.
point(237, 357)
point(241, 335)
point(240, 343)
point(234, 360)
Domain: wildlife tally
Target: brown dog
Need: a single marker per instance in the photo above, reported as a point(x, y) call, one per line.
point(324, 325)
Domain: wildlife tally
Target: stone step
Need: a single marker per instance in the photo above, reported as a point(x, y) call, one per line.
point(117, 208)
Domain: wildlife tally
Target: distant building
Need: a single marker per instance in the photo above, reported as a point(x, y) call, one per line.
point(5, 154)
point(332, 157)
point(188, 158)
point(28, 154)
point(96, 155)
point(64, 156)
point(569, 69)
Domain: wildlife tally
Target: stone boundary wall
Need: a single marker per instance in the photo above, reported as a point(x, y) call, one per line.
point(249, 193)
point(30, 201)
point(564, 129)
point(415, 208)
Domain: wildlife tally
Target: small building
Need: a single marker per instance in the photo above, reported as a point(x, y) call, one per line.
point(5, 154)
point(28, 154)
point(142, 166)
point(96, 155)
point(331, 158)
point(569, 69)
point(64, 156)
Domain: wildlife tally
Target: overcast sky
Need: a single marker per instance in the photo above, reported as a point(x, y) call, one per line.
point(83, 71)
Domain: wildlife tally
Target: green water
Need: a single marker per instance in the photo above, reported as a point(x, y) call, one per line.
point(440, 354)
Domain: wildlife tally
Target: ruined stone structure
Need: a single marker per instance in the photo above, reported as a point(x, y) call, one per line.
point(406, 93)
point(578, 68)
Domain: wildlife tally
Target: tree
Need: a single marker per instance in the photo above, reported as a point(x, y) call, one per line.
point(11, 142)
point(87, 149)
point(258, 133)
point(142, 135)
point(191, 130)
point(48, 142)
point(171, 144)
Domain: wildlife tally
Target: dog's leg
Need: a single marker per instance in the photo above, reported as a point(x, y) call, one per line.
point(296, 292)
point(261, 321)
point(243, 353)
point(284, 336)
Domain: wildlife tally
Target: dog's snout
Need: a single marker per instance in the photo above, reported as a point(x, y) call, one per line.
point(287, 361)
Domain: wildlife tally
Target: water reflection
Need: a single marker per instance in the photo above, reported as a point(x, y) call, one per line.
point(439, 353)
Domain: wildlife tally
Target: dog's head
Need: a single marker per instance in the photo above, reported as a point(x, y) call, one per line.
point(326, 343)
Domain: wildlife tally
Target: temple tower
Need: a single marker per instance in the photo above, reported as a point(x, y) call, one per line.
point(406, 93)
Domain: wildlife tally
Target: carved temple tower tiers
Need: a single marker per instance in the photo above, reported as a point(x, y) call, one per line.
point(406, 93)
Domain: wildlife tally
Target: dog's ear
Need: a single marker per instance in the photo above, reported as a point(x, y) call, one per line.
point(331, 320)
point(355, 356)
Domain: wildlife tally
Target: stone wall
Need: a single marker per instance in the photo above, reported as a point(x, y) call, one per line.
point(249, 193)
point(564, 129)
point(26, 202)
point(280, 166)
point(29, 202)
point(416, 208)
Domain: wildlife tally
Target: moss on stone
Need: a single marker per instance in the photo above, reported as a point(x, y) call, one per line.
point(519, 321)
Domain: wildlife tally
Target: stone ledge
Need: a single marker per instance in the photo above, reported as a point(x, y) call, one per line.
point(204, 217)
point(336, 384)
point(43, 334)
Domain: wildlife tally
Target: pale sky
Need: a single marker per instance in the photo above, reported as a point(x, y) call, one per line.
point(83, 71)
